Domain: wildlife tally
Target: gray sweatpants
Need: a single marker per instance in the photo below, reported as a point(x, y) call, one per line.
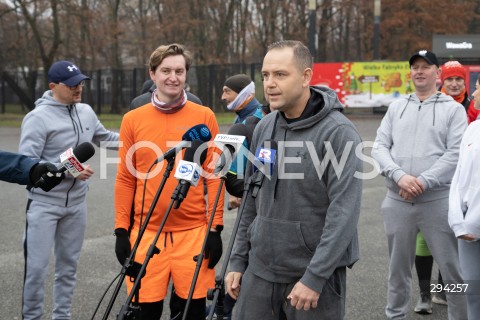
point(49, 225)
point(261, 299)
point(470, 262)
point(402, 221)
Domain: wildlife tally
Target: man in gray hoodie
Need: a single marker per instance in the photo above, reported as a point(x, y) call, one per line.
point(296, 238)
point(417, 147)
point(59, 122)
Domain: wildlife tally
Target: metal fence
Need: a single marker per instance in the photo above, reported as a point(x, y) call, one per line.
point(111, 89)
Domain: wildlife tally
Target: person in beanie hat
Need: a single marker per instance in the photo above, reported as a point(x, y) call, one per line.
point(239, 95)
point(453, 84)
point(56, 221)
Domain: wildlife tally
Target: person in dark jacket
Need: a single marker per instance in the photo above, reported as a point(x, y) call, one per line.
point(453, 78)
point(239, 96)
point(18, 168)
point(296, 238)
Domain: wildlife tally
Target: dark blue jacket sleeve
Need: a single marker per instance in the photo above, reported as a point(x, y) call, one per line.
point(15, 167)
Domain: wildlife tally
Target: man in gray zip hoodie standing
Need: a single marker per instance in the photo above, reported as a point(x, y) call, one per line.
point(417, 147)
point(299, 234)
point(58, 122)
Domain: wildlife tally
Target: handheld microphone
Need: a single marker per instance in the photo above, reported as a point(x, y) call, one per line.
point(265, 157)
point(198, 132)
point(232, 142)
point(188, 172)
point(263, 165)
point(71, 160)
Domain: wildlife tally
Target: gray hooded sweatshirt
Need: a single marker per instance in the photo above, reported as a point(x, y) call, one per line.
point(421, 139)
point(48, 131)
point(303, 223)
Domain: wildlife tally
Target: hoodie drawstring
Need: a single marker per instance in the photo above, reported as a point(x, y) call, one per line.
point(434, 104)
point(434, 107)
point(75, 125)
point(79, 122)
point(404, 108)
point(69, 107)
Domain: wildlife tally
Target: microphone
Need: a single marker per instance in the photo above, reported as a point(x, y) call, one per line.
point(263, 165)
point(188, 172)
point(71, 160)
point(232, 142)
point(198, 132)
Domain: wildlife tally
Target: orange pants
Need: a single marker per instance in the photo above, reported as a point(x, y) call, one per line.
point(174, 261)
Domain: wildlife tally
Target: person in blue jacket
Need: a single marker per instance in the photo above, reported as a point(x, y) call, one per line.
point(18, 168)
point(239, 96)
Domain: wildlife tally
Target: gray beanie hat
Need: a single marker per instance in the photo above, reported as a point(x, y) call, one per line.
point(238, 82)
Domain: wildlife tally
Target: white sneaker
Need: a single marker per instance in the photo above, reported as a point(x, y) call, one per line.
point(440, 298)
point(424, 304)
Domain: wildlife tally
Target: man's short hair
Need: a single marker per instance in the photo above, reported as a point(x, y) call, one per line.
point(300, 52)
point(164, 51)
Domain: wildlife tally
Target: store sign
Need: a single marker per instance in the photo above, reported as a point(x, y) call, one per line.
point(456, 46)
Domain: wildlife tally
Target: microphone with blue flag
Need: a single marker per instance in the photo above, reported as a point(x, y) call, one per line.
point(198, 132)
point(263, 165)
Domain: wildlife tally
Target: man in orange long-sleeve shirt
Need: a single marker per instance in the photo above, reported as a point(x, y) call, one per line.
point(146, 133)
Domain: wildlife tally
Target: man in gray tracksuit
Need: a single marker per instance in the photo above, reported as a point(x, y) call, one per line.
point(417, 148)
point(58, 122)
point(299, 234)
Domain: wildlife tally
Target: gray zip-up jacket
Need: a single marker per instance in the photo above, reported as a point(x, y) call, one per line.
point(421, 139)
point(303, 223)
point(48, 131)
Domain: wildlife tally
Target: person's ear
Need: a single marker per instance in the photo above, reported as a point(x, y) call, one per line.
point(307, 77)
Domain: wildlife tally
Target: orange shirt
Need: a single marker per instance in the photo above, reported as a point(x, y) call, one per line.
point(145, 134)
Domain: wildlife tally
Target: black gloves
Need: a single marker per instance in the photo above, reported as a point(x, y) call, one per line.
point(122, 245)
point(123, 250)
point(213, 248)
point(45, 176)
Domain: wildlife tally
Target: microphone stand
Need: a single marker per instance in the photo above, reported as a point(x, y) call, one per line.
point(177, 194)
point(128, 264)
point(216, 294)
point(200, 256)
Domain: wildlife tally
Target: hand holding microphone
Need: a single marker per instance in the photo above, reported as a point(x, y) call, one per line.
point(46, 176)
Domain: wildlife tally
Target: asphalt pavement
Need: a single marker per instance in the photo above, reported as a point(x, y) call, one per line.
point(366, 282)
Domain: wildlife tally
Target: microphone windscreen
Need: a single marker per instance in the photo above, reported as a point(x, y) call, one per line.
point(238, 129)
point(84, 151)
point(198, 132)
point(251, 123)
point(190, 152)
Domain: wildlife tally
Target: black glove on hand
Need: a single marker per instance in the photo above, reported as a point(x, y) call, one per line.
point(122, 245)
point(213, 248)
point(45, 176)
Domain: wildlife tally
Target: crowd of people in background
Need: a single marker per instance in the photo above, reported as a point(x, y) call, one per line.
point(290, 255)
